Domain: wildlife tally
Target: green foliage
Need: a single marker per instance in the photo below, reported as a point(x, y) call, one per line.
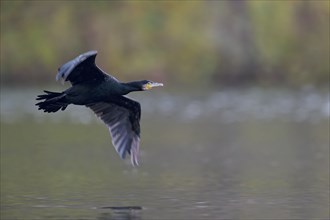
point(184, 42)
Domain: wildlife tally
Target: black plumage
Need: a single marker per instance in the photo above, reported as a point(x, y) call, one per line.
point(105, 96)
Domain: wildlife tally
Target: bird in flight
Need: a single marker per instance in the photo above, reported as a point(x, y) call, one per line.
point(105, 96)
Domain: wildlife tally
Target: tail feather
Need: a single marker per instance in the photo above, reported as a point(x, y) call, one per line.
point(52, 101)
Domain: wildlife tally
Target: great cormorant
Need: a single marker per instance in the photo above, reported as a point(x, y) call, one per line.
point(104, 94)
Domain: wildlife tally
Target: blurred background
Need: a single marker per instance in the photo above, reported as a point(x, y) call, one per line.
point(240, 130)
point(190, 43)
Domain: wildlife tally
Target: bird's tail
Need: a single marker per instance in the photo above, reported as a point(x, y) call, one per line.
point(52, 101)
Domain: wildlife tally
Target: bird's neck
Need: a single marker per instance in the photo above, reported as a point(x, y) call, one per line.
point(130, 87)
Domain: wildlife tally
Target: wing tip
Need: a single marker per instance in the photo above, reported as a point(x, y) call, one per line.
point(135, 149)
point(88, 54)
point(134, 161)
point(65, 70)
point(92, 52)
point(132, 149)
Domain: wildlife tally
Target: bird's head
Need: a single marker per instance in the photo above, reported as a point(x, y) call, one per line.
point(147, 85)
point(142, 85)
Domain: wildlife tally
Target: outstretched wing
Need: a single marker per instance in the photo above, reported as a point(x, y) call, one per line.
point(122, 116)
point(81, 69)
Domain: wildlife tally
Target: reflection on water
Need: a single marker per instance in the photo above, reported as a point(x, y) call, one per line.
point(121, 214)
point(223, 155)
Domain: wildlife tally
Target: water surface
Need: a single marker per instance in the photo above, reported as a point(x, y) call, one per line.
point(227, 154)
